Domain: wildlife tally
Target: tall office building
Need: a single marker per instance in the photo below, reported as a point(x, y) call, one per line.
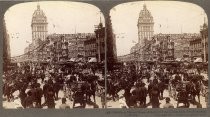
point(39, 26)
point(145, 25)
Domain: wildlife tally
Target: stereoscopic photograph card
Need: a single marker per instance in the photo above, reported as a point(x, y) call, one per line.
point(104, 58)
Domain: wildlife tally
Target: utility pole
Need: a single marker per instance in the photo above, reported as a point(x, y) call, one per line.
point(204, 44)
point(98, 32)
point(204, 33)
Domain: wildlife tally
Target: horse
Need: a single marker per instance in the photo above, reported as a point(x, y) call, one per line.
point(196, 89)
point(111, 89)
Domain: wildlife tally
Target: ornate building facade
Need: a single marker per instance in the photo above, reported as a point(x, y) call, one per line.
point(39, 33)
point(38, 26)
point(145, 25)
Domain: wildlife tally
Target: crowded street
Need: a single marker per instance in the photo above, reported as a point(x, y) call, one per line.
point(82, 85)
point(60, 64)
point(116, 104)
point(36, 92)
point(152, 86)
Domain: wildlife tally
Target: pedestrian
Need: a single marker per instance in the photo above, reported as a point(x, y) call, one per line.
point(150, 86)
point(50, 98)
point(143, 92)
point(45, 89)
point(22, 95)
point(127, 94)
point(161, 86)
point(33, 92)
point(38, 95)
point(93, 89)
point(28, 100)
point(155, 93)
point(168, 104)
point(132, 100)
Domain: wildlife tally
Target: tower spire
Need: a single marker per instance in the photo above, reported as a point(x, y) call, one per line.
point(144, 6)
point(145, 25)
point(38, 6)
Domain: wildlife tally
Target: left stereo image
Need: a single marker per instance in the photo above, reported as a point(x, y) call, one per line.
point(54, 55)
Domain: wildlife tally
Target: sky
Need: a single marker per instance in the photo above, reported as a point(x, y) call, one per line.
point(168, 16)
point(62, 17)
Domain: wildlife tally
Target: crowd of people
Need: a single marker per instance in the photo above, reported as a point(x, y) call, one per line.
point(144, 85)
point(133, 86)
point(38, 85)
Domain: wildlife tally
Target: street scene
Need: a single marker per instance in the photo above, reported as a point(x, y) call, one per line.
point(65, 55)
point(53, 56)
point(160, 56)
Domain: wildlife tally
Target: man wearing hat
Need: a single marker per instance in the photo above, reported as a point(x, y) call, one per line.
point(168, 104)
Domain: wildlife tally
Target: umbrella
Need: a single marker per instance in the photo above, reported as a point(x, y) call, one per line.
point(92, 60)
point(72, 59)
point(198, 60)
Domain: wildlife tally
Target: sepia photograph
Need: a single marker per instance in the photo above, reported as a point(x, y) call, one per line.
point(54, 55)
point(104, 54)
point(159, 56)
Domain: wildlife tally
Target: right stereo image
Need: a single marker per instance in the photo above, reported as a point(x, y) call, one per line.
point(157, 55)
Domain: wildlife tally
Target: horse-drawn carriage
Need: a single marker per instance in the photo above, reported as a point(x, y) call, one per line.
point(178, 92)
point(186, 91)
point(83, 90)
point(176, 87)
